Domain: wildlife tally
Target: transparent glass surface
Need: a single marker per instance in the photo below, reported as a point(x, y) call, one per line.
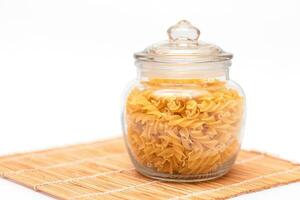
point(183, 121)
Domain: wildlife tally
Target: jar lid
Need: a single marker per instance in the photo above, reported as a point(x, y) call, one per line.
point(183, 46)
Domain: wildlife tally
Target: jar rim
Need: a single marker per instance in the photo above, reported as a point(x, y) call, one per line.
point(143, 56)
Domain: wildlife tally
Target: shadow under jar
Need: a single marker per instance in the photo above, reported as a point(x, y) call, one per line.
point(183, 118)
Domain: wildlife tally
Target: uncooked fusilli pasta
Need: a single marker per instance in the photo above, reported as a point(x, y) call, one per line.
point(183, 126)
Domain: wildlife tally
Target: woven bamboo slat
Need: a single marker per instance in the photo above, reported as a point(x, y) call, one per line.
point(102, 170)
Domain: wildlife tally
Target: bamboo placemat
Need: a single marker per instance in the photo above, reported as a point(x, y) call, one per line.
point(102, 170)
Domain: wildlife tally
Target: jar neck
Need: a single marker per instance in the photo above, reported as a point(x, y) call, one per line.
point(213, 70)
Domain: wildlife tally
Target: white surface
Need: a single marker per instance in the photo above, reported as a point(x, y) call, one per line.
point(64, 64)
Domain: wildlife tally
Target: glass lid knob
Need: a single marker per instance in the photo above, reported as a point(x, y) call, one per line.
point(183, 31)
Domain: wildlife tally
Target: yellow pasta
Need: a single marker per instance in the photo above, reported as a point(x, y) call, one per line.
point(185, 127)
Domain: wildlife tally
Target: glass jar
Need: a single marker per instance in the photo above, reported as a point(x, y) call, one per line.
point(183, 117)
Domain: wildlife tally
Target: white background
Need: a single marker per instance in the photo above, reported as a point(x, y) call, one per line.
point(65, 63)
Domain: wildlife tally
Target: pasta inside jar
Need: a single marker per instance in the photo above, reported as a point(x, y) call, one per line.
point(184, 126)
point(183, 117)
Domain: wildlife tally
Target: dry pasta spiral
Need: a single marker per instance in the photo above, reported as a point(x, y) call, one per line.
point(183, 126)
